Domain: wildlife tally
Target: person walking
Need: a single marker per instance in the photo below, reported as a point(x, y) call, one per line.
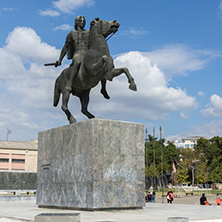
point(170, 196)
point(153, 197)
point(149, 197)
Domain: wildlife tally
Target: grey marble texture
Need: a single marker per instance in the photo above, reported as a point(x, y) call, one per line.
point(58, 217)
point(18, 181)
point(93, 164)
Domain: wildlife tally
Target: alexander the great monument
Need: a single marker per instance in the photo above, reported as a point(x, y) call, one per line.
point(94, 164)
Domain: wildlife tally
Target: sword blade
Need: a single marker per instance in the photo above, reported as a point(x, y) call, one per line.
point(50, 64)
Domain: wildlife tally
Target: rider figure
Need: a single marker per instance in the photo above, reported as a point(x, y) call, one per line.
point(75, 47)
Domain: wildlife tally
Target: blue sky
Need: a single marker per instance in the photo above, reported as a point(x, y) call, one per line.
point(172, 48)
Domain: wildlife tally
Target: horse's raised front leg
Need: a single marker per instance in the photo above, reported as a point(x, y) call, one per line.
point(119, 71)
point(65, 100)
point(84, 98)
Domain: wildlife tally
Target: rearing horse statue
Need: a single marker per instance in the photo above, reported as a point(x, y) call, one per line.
point(97, 65)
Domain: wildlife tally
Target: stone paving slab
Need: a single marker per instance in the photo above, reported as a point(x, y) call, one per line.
point(153, 212)
point(193, 200)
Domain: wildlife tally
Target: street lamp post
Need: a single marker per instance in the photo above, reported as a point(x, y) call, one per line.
point(161, 162)
point(154, 173)
point(8, 132)
point(146, 152)
point(192, 165)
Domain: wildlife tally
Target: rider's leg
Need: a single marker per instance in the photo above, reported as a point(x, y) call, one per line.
point(109, 67)
point(65, 100)
point(75, 69)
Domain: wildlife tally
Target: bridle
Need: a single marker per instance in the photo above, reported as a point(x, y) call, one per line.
point(111, 35)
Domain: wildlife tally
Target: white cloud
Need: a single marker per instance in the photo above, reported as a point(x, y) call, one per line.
point(8, 9)
point(180, 59)
point(64, 27)
point(26, 85)
point(183, 115)
point(214, 108)
point(7, 71)
point(67, 6)
point(49, 12)
point(200, 93)
point(25, 43)
point(134, 32)
point(18, 117)
point(154, 99)
point(211, 129)
point(220, 9)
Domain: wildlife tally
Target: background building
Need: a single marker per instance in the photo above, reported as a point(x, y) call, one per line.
point(187, 142)
point(19, 156)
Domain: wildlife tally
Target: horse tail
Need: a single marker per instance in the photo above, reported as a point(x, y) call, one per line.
point(56, 94)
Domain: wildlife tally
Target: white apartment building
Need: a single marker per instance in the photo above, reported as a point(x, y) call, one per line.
point(187, 142)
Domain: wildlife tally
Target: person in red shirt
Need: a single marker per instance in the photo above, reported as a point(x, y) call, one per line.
point(218, 201)
point(170, 196)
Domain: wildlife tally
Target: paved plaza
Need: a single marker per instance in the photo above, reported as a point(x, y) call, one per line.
point(11, 211)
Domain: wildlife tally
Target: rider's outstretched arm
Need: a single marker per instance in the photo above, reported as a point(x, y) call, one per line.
point(63, 53)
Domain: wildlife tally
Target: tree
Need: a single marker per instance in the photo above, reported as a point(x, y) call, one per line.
point(200, 172)
point(184, 174)
point(208, 152)
point(216, 174)
point(214, 159)
point(170, 155)
point(202, 145)
point(149, 157)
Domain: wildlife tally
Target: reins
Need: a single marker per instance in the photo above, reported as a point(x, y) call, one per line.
point(111, 35)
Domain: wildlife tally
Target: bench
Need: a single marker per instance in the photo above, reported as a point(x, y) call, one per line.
point(188, 192)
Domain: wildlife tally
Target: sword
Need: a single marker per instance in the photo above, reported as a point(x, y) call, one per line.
point(51, 64)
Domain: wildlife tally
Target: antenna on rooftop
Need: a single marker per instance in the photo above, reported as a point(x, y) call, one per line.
point(8, 132)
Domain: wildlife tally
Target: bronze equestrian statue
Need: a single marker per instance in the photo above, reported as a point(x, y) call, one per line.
point(92, 65)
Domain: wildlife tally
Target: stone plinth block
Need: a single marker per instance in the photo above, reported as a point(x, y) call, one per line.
point(57, 217)
point(94, 164)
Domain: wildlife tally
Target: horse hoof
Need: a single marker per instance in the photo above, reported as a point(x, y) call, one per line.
point(105, 94)
point(133, 87)
point(72, 120)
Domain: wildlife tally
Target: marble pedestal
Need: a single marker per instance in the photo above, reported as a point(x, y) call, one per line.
point(92, 165)
point(57, 217)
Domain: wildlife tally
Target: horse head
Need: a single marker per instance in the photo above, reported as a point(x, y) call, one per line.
point(103, 27)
